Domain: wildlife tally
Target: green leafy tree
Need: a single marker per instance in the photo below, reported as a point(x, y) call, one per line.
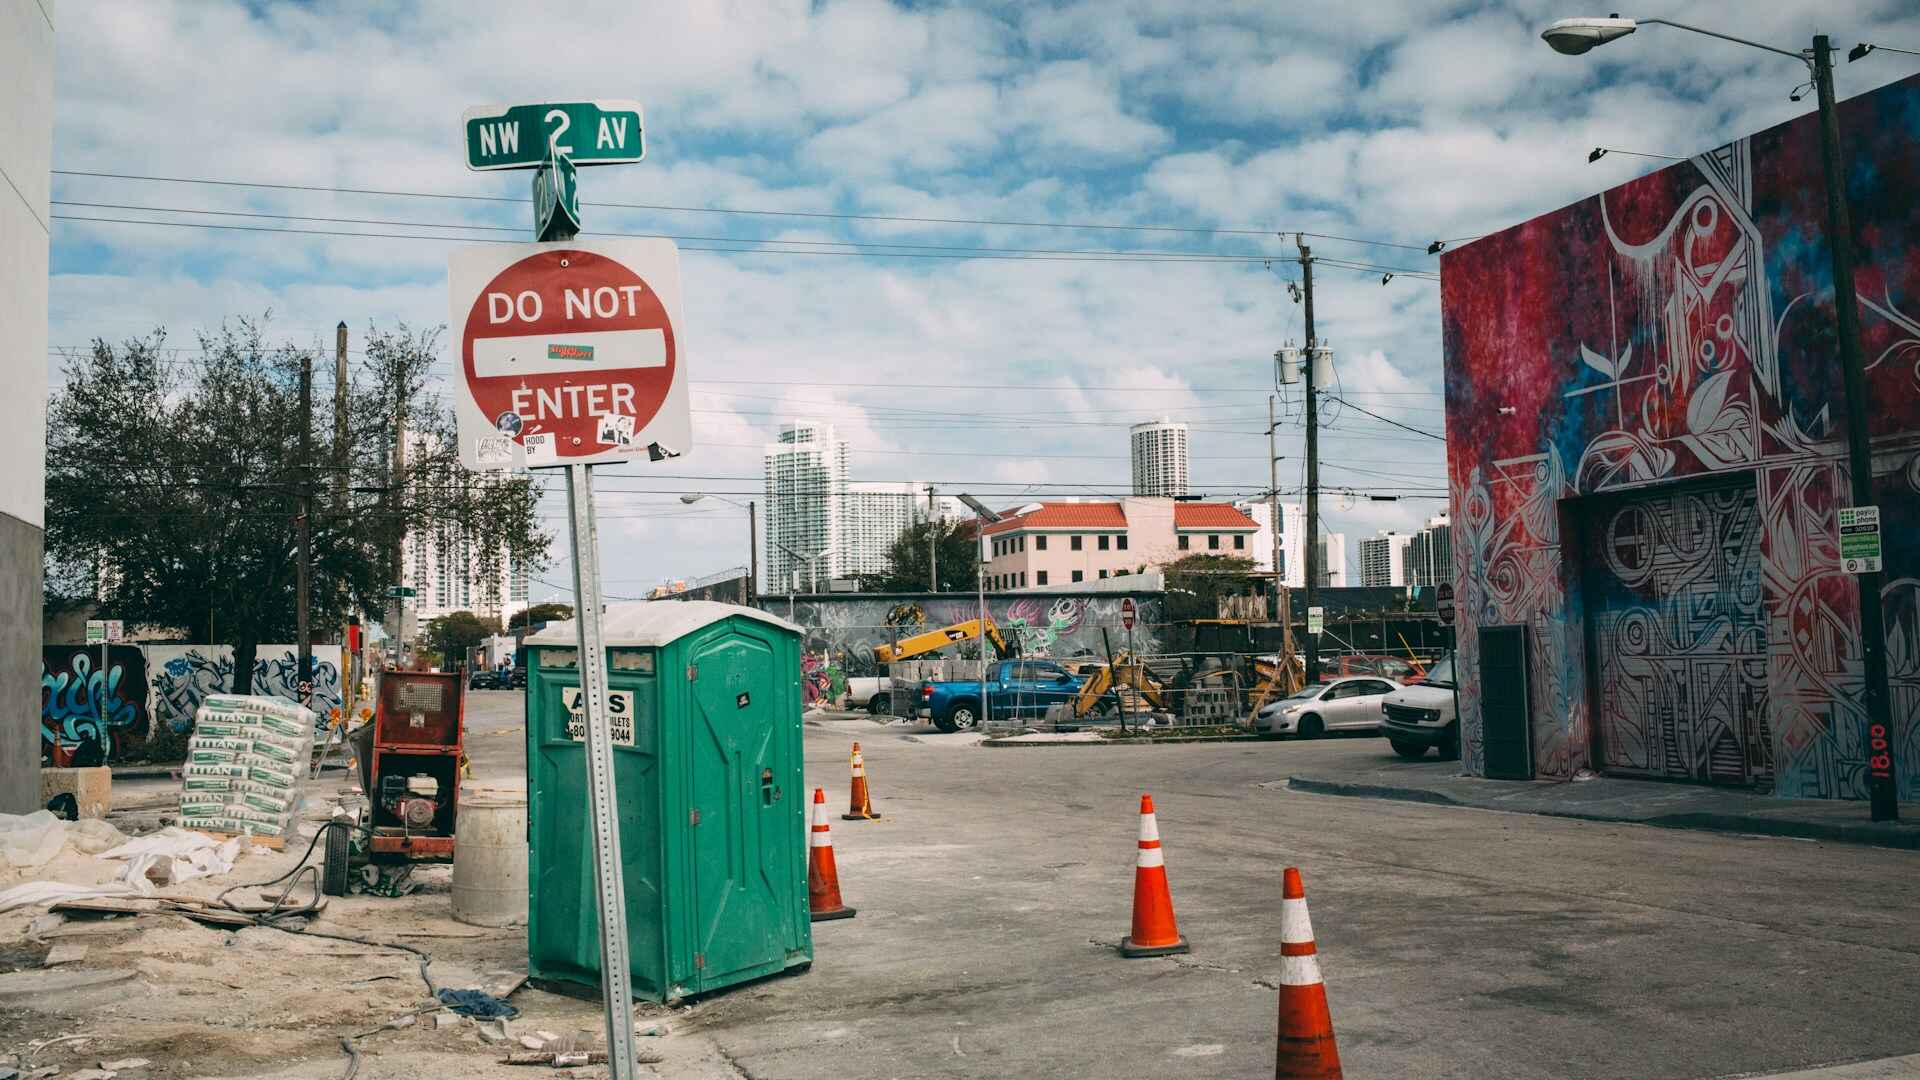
point(1196, 583)
point(958, 557)
point(174, 481)
point(539, 613)
point(452, 636)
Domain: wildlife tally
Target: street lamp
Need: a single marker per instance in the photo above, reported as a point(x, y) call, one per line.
point(753, 536)
point(1576, 36)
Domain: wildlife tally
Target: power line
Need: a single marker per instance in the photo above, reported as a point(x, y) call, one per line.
point(1384, 420)
point(521, 230)
point(814, 214)
point(1214, 259)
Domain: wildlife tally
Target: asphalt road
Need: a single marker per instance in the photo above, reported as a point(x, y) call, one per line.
point(1456, 942)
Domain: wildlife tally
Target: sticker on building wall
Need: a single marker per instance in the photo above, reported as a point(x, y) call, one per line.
point(1860, 539)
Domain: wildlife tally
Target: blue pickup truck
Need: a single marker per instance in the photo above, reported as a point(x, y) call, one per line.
point(1015, 688)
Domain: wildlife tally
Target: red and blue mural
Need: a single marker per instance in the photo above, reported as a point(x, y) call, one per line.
point(1646, 454)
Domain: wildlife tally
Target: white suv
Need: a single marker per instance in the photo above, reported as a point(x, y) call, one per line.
point(1420, 716)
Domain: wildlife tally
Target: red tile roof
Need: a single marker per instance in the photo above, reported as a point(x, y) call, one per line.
point(1199, 515)
point(1060, 515)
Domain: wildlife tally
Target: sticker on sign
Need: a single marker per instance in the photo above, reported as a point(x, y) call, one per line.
point(619, 715)
point(1860, 539)
point(569, 351)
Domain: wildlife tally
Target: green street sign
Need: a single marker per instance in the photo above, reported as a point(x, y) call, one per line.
point(525, 136)
point(401, 590)
point(556, 200)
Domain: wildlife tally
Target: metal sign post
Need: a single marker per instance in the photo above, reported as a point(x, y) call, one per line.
point(569, 355)
point(616, 976)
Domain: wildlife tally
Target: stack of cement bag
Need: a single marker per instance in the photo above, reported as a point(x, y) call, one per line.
point(245, 765)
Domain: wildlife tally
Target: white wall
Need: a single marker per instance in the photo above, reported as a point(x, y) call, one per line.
point(26, 156)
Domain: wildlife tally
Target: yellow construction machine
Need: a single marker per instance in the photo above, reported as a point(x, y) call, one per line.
point(1125, 671)
point(907, 648)
point(1280, 676)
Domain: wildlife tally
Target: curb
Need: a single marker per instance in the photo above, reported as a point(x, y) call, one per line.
point(1864, 833)
point(1006, 745)
point(1370, 791)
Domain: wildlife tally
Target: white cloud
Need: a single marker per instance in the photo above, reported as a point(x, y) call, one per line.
point(1372, 120)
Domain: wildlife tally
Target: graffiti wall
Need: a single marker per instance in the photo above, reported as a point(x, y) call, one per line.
point(93, 702)
point(151, 692)
point(845, 629)
point(1646, 454)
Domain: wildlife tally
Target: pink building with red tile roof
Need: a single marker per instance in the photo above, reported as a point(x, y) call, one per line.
point(1062, 543)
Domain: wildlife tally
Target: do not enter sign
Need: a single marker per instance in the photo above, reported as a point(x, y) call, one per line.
point(569, 352)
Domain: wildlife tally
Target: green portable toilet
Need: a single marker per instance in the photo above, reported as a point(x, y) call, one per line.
point(706, 724)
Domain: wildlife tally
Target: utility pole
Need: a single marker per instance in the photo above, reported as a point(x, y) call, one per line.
point(933, 544)
point(340, 419)
point(1283, 611)
point(349, 664)
point(1881, 794)
point(1309, 547)
point(753, 551)
point(303, 560)
point(396, 604)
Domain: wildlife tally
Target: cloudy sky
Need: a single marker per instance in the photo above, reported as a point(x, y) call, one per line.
point(1193, 134)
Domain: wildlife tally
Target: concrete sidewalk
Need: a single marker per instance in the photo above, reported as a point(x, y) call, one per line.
point(1608, 798)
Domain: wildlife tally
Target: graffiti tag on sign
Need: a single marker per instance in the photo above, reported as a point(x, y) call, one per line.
point(619, 715)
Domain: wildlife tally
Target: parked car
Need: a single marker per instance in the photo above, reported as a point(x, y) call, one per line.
point(1422, 716)
point(517, 678)
point(1015, 688)
point(1397, 668)
point(869, 692)
point(1351, 704)
point(485, 679)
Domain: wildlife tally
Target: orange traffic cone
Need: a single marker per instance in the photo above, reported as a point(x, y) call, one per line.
point(860, 807)
point(1154, 931)
point(1306, 1049)
point(823, 877)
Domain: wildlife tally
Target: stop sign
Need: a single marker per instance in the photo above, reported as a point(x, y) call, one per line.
point(1443, 603)
point(569, 352)
point(1126, 613)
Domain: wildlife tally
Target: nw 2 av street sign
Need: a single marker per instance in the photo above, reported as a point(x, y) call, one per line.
point(522, 136)
point(569, 352)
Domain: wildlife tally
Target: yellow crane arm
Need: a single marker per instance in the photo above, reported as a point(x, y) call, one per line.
point(927, 642)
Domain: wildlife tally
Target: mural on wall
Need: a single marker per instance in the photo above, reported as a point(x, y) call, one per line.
point(90, 710)
point(845, 629)
point(1679, 636)
point(153, 691)
point(1674, 328)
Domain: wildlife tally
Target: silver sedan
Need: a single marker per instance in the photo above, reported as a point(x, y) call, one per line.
point(1350, 704)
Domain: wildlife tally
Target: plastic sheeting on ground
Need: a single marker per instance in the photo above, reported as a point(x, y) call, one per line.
point(30, 840)
point(170, 856)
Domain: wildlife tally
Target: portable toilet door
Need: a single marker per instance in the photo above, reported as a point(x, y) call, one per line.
point(746, 812)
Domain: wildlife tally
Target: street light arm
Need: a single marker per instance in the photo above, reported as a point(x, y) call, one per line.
point(1800, 55)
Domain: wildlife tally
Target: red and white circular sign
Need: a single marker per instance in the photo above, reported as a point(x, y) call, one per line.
point(568, 352)
point(1126, 613)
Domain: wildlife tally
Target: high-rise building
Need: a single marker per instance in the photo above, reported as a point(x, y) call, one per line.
point(448, 572)
point(1383, 559)
point(872, 517)
point(1293, 531)
point(1430, 553)
point(806, 476)
point(820, 525)
point(1159, 458)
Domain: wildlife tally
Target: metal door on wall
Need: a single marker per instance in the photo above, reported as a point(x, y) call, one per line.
point(1506, 704)
point(741, 839)
point(1677, 636)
